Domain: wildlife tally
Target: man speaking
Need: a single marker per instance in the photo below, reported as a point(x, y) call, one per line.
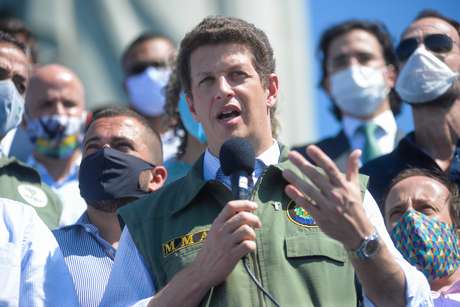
point(304, 233)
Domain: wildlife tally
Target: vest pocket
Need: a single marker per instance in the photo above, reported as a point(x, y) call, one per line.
point(315, 245)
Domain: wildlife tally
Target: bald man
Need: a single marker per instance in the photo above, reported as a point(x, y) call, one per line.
point(54, 120)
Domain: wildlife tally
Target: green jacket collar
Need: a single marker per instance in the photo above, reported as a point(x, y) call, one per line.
point(192, 183)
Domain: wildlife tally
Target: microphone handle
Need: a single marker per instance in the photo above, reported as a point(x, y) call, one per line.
point(240, 185)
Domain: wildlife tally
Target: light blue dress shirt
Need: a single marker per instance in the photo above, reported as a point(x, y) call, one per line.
point(89, 259)
point(32, 269)
point(130, 282)
point(68, 190)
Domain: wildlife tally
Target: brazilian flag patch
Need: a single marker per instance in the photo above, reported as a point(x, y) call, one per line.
point(299, 215)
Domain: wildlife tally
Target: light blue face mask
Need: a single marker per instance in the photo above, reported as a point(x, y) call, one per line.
point(191, 125)
point(11, 107)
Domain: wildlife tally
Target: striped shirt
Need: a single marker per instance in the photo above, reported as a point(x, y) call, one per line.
point(89, 259)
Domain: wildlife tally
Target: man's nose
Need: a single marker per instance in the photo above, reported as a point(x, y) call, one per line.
point(224, 89)
point(59, 108)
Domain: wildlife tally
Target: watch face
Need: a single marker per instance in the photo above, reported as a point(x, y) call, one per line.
point(371, 247)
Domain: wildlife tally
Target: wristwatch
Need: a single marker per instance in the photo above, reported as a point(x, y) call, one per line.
point(369, 247)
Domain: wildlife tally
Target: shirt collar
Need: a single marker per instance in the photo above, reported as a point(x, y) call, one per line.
point(384, 120)
point(48, 179)
point(211, 163)
point(84, 223)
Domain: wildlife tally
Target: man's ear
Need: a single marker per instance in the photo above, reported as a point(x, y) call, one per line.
point(157, 178)
point(272, 89)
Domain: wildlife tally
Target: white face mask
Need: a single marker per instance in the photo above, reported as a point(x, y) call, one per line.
point(359, 90)
point(146, 90)
point(424, 77)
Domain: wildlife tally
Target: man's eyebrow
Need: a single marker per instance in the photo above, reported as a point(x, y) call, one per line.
point(91, 139)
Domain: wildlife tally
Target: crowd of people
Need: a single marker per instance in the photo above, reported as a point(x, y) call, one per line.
point(131, 206)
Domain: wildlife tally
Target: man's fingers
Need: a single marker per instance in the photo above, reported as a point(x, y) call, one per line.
point(239, 219)
point(242, 233)
point(233, 207)
point(302, 200)
point(323, 161)
point(244, 248)
point(353, 166)
point(321, 181)
point(305, 189)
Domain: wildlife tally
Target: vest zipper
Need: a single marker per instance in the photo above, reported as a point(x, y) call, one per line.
point(253, 257)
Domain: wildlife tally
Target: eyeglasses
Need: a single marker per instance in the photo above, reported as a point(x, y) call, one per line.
point(439, 43)
point(141, 67)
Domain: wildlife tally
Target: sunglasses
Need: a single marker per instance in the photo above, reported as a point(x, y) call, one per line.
point(439, 43)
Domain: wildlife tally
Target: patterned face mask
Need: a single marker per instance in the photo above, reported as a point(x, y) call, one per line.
point(427, 243)
point(56, 136)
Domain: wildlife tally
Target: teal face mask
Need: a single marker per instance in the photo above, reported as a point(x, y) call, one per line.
point(191, 125)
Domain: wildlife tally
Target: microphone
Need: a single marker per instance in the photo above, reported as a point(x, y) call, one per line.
point(237, 160)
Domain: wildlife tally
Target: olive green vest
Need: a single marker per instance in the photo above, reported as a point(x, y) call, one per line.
point(295, 261)
point(22, 183)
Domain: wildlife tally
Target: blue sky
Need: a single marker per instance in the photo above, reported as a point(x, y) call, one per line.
point(396, 14)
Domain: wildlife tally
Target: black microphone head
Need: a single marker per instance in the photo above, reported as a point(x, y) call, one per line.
point(237, 155)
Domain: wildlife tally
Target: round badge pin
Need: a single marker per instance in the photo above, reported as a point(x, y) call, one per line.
point(299, 215)
point(34, 196)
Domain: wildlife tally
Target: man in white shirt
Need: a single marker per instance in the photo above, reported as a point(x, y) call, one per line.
point(359, 69)
point(184, 244)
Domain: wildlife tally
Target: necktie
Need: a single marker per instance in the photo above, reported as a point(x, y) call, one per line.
point(371, 149)
point(454, 171)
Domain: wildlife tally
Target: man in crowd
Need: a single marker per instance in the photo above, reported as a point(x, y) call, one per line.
point(359, 70)
point(146, 65)
point(121, 162)
point(431, 44)
point(422, 213)
point(184, 244)
point(55, 120)
point(17, 181)
point(15, 143)
point(32, 269)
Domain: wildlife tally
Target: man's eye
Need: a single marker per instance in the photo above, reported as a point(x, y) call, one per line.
point(237, 75)
point(428, 210)
point(69, 104)
point(89, 148)
point(123, 147)
point(364, 58)
point(205, 80)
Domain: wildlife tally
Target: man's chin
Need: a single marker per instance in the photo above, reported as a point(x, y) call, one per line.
point(111, 205)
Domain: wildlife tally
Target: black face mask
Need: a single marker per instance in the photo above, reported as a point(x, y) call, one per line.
point(109, 174)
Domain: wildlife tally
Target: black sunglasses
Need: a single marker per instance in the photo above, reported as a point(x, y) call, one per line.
point(434, 42)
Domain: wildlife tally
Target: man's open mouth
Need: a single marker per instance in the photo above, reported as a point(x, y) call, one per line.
point(228, 114)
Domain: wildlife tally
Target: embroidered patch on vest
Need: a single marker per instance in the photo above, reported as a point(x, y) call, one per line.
point(299, 215)
point(34, 196)
point(184, 241)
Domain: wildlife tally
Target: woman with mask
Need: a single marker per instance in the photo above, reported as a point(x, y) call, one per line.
point(422, 214)
point(191, 133)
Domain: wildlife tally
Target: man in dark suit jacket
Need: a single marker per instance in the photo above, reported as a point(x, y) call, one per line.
point(359, 69)
point(435, 142)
